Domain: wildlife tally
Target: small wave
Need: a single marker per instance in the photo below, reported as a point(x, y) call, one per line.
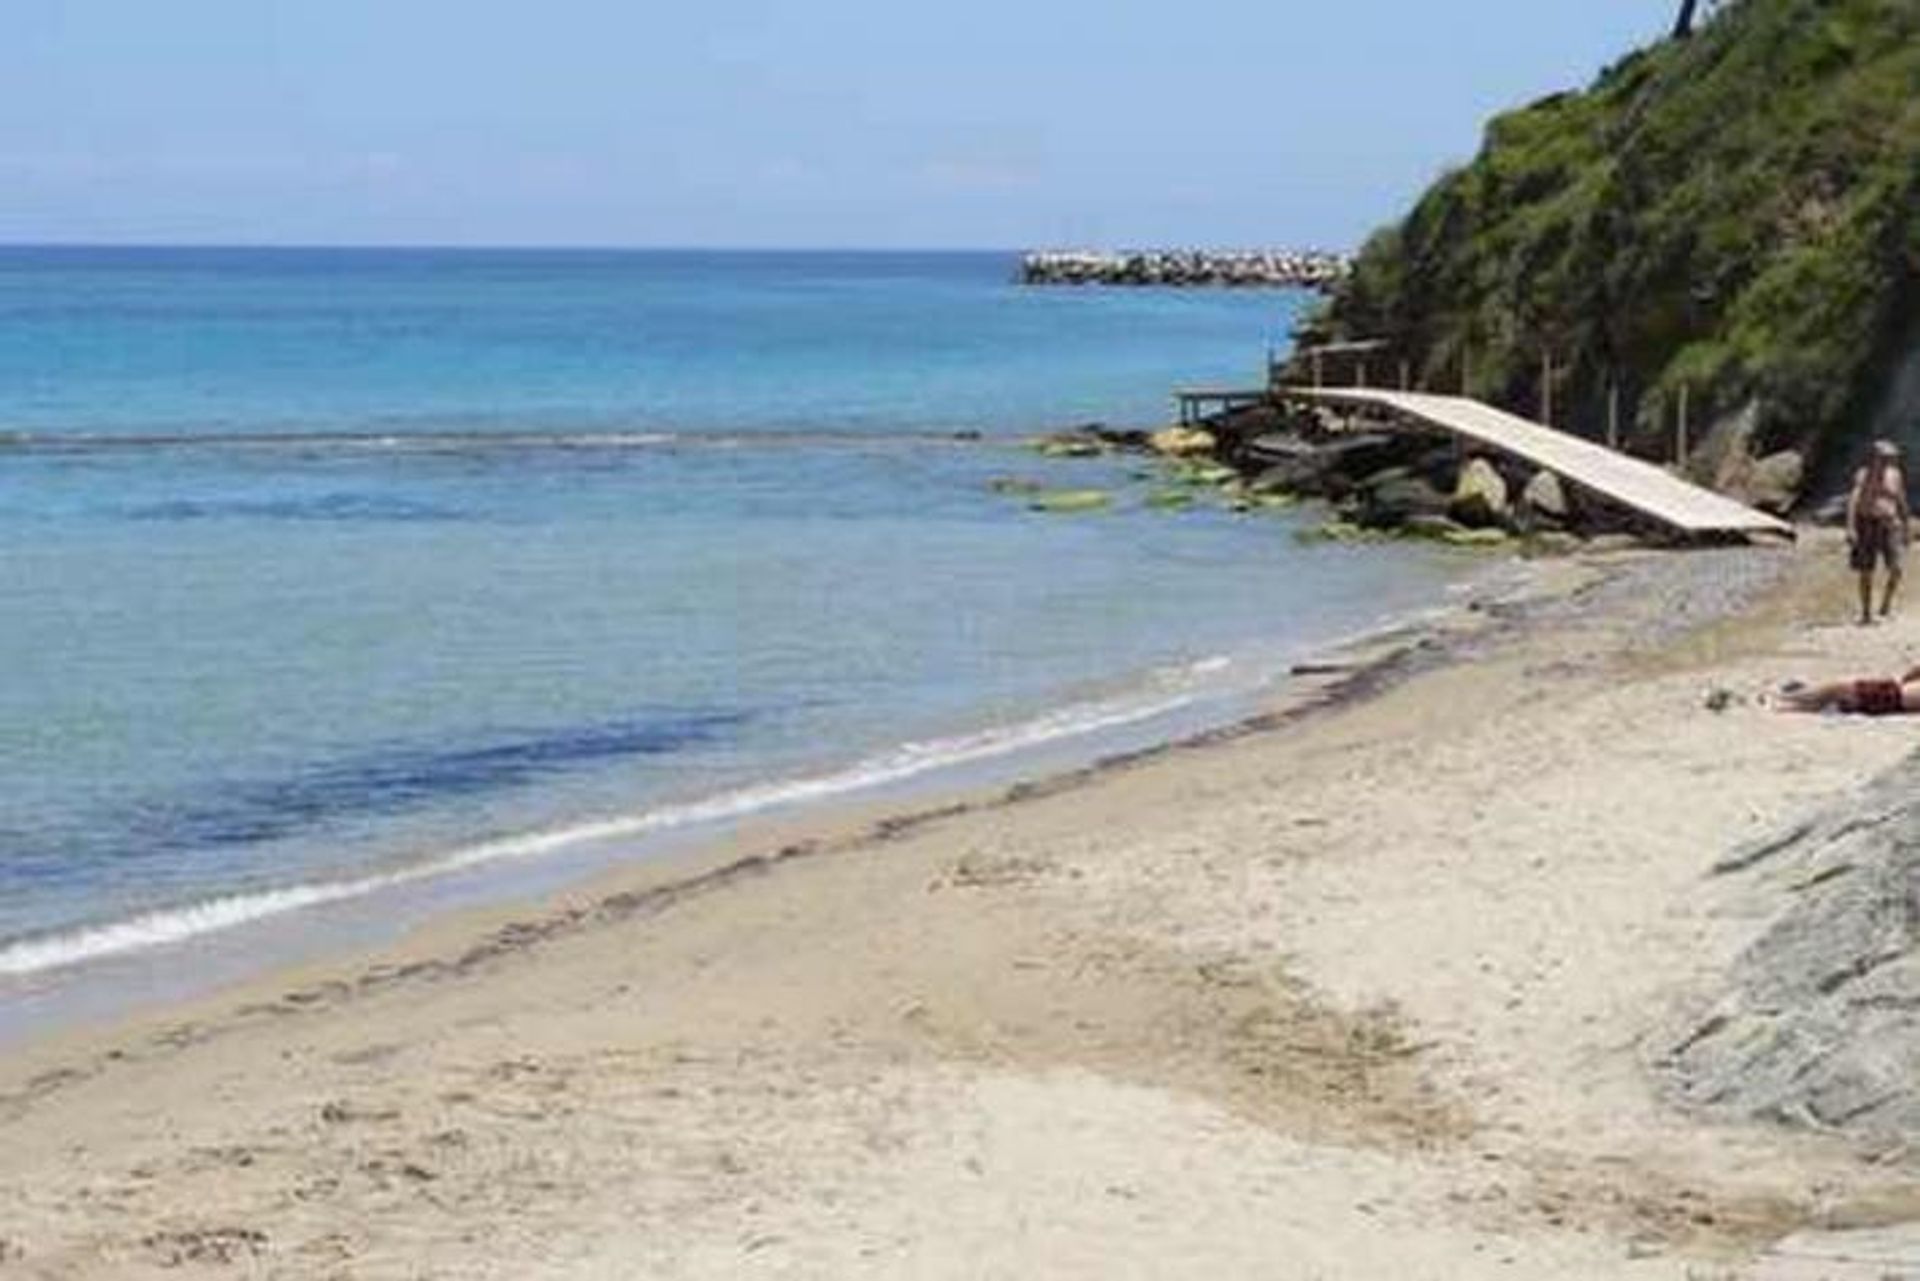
point(1171, 691)
point(477, 443)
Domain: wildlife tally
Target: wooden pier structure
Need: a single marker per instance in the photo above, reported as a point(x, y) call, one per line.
point(1640, 486)
point(1198, 403)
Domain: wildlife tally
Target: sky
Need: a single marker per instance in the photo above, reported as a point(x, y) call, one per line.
point(763, 123)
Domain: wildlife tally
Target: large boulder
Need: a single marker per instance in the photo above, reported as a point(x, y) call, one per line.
point(1774, 482)
point(1726, 462)
point(1389, 499)
point(1545, 499)
point(1480, 496)
point(1722, 457)
point(1330, 469)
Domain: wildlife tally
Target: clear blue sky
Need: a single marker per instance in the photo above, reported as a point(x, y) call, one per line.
point(761, 122)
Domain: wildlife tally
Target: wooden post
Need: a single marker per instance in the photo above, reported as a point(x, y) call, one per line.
point(1360, 373)
point(1613, 415)
point(1466, 369)
point(1546, 387)
point(1406, 376)
point(1680, 430)
point(1316, 369)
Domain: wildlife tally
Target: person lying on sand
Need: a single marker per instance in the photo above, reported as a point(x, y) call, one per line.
point(1864, 696)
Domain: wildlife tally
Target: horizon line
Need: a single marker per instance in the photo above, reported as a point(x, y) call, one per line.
point(531, 247)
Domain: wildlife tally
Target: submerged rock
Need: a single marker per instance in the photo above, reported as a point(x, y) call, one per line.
point(1068, 501)
point(1490, 536)
point(1183, 442)
point(1069, 445)
point(1439, 528)
point(1554, 542)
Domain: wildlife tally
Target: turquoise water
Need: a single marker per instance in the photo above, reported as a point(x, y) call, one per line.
point(329, 571)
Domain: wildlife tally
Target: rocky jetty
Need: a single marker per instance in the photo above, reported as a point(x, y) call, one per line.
point(1372, 480)
point(1309, 269)
point(1390, 480)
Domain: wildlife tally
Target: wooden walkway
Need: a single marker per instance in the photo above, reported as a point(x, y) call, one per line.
point(1645, 488)
point(1194, 401)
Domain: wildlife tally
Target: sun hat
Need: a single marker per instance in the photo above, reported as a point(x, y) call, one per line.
point(1886, 448)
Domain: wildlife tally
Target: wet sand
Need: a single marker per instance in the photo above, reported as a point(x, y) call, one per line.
point(1364, 987)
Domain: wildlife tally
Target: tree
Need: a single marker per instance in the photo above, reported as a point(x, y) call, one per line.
point(1683, 27)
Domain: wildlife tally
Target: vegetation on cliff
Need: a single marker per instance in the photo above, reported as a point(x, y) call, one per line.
point(1737, 211)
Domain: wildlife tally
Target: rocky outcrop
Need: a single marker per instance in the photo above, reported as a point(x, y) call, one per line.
point(1726, 218)
point(1818, 1024)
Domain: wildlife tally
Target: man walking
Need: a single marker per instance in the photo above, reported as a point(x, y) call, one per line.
point(1877, 524)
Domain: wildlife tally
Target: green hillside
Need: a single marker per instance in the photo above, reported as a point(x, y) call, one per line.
point(1738, 211)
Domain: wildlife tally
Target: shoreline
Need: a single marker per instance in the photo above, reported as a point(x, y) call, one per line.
point(543, 863)
point(1115, 951)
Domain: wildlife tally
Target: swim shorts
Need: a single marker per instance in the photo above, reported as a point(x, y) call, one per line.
point(1876, 541)
point(1878, 698)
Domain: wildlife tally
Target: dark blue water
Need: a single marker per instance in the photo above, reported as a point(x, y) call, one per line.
point(323, 570)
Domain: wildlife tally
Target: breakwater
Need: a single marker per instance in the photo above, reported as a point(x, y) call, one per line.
point(1312, 269)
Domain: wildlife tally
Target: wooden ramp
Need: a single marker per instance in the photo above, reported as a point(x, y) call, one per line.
point(1630, 482)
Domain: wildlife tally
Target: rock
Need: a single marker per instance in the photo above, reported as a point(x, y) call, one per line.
point(1068, 501)
point(1359, 455)
point(1440, 465)
point(1614, 543)
point(1439, 528)
point(1014, 485)
point(1389, 499)
point(1183, 442)
point(1297, 466)
point(1480, 496)
point(1338, 531)
point(1069, 445)
point(1831, 511)
point(1490, 536)
point(1720, 459)
point(1203, 473)
point(1546, 497)
point(1276, 447)
point(1814, 1025)
point(1304, 474)
point(1774, 483)
point(1131, 438)
point(1554, 542)
point(1725, 462)
point(1170, 499)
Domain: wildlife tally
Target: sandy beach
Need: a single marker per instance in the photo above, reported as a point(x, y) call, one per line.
point(1366, 988)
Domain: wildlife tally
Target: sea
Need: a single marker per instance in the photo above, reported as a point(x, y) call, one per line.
point(340, 588)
